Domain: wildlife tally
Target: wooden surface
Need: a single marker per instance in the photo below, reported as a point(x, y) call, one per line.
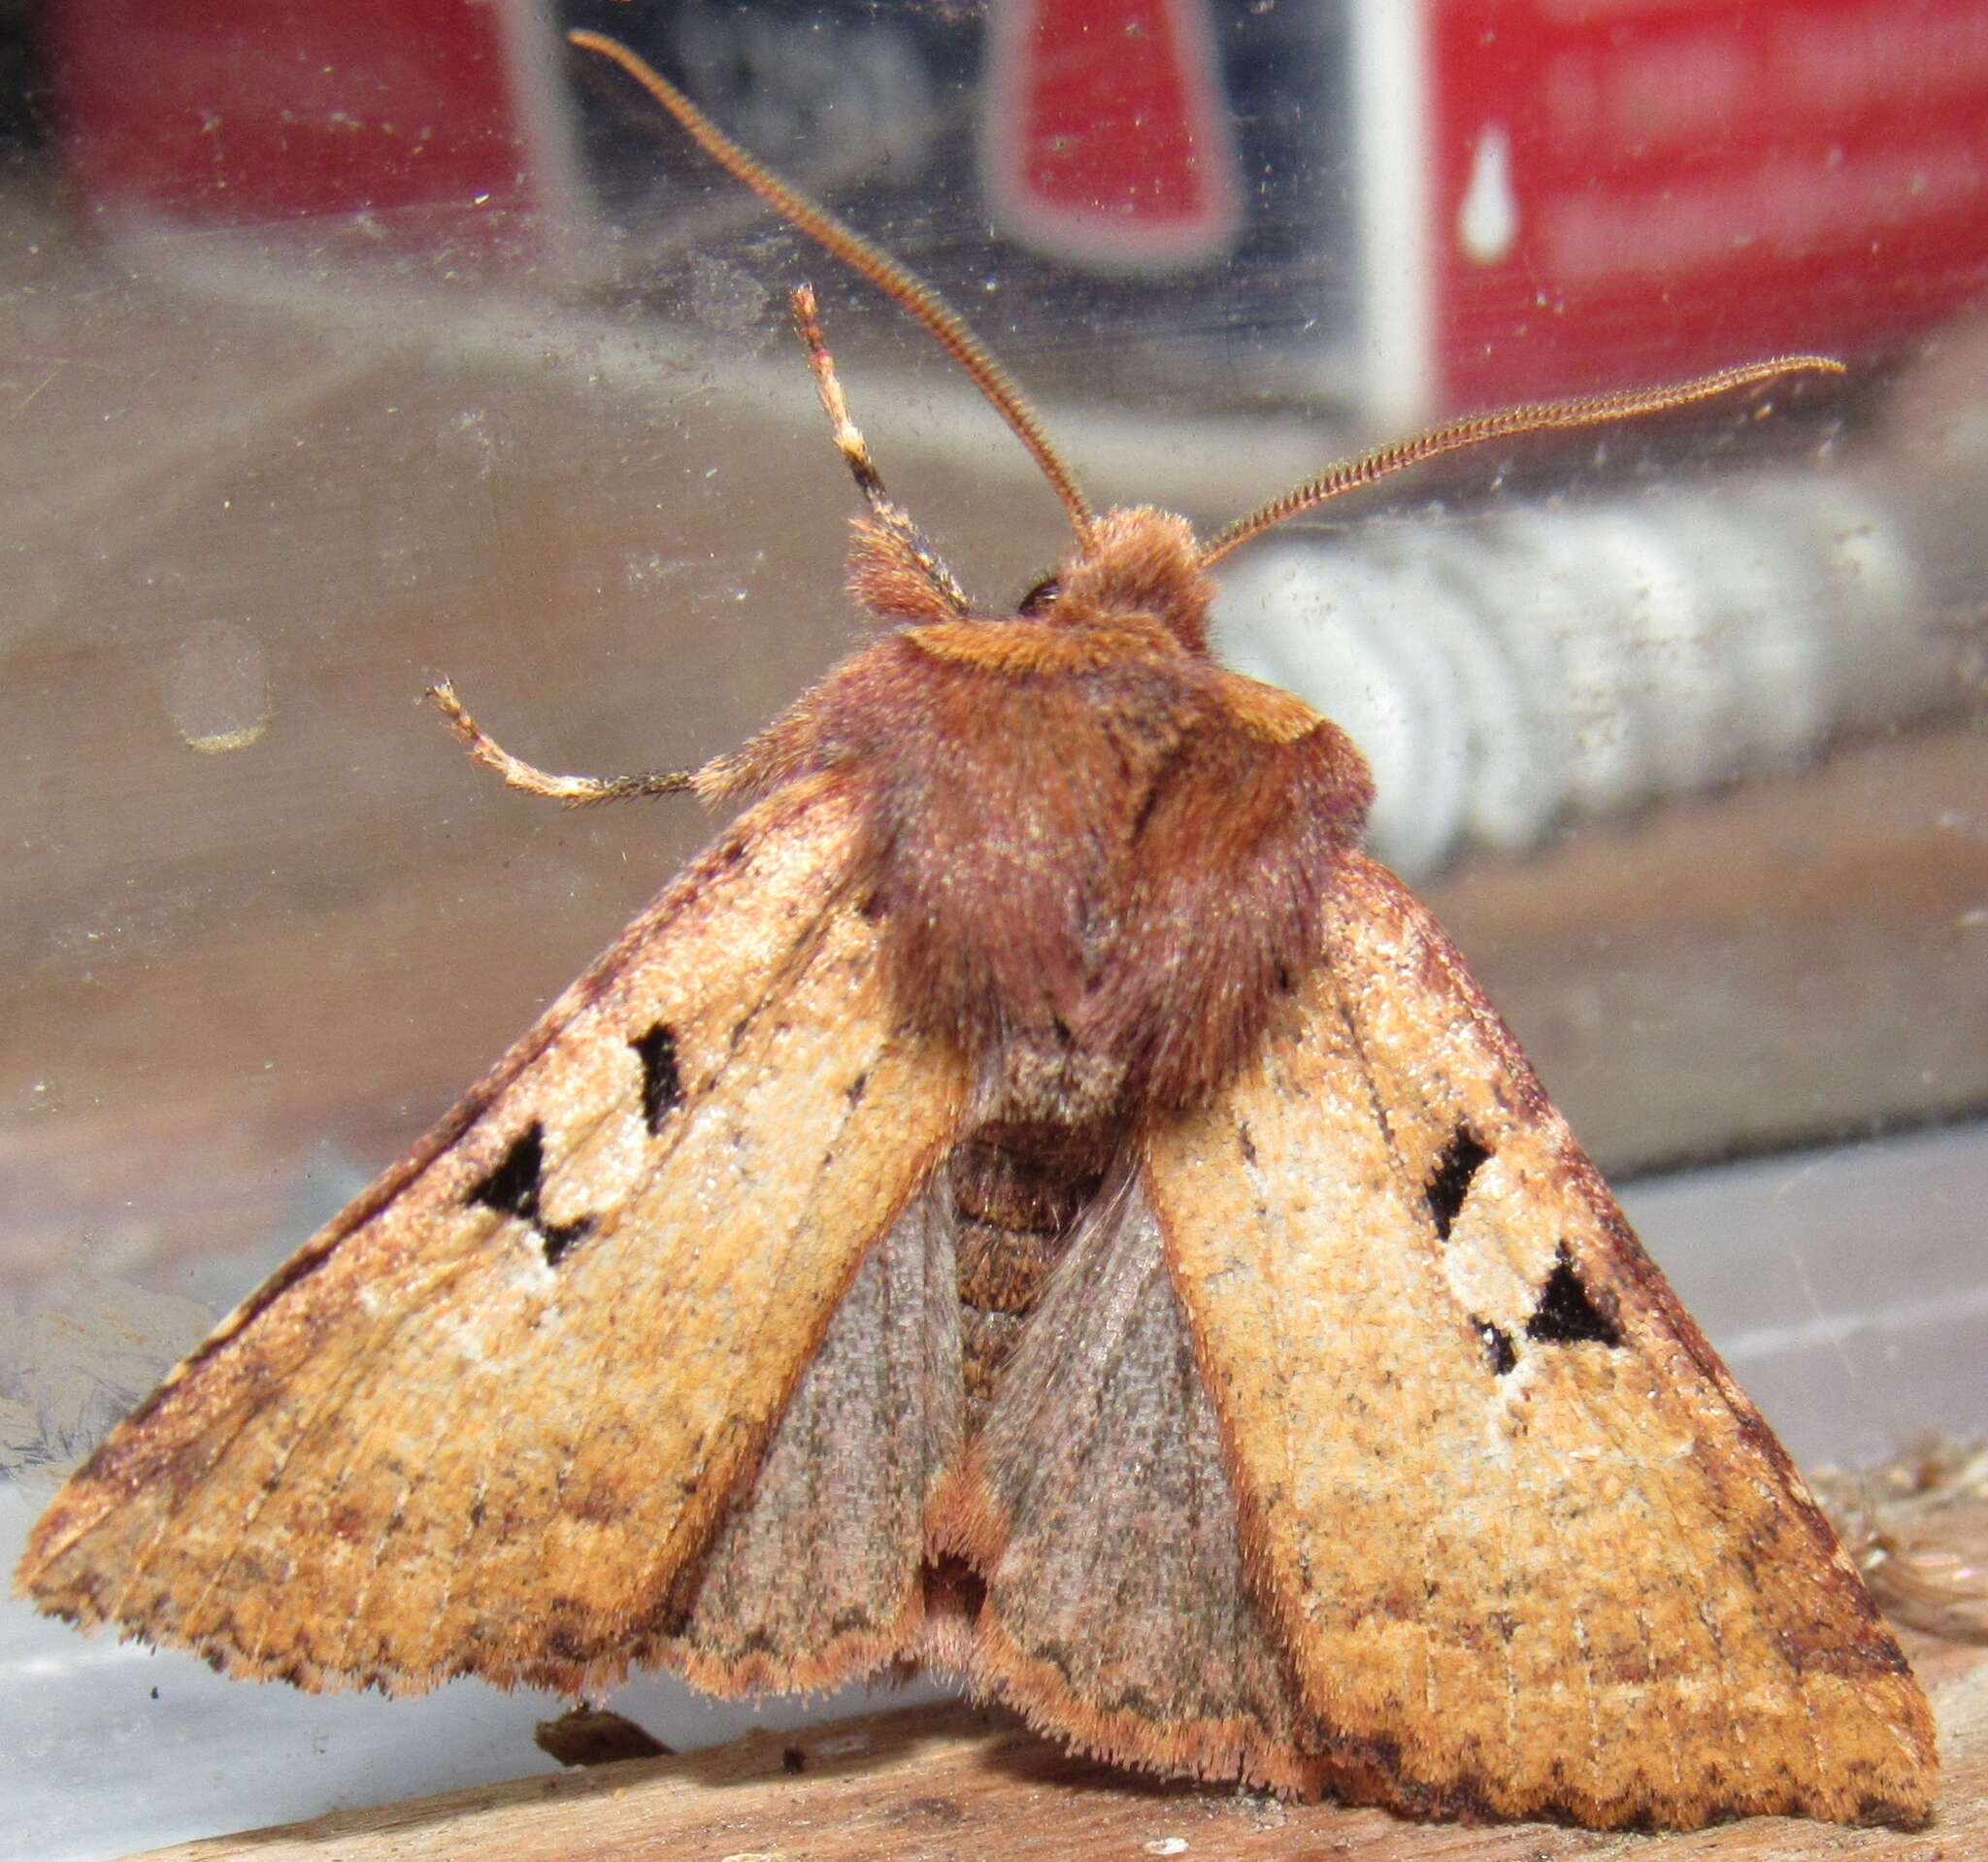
point(932, 1783)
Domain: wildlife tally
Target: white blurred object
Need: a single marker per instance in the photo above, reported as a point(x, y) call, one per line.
point(1487, 222)
point(1546, 663)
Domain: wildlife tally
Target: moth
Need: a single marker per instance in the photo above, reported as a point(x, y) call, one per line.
point(1034, 1201)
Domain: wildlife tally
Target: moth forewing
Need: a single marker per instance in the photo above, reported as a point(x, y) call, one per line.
point(1035, 1200)
point(482, 1423)
point(1543, 1500)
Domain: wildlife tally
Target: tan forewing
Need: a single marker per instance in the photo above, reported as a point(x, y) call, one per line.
point(484, 1420)
point(1529, 1545)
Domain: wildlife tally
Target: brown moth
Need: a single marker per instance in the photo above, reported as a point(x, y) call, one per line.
point(1036, 1201)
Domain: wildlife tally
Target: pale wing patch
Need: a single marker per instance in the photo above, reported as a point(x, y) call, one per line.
point(1528, 1542)
point(483, 1421)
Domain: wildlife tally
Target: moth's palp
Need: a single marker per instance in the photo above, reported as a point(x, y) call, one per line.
point(855, 451)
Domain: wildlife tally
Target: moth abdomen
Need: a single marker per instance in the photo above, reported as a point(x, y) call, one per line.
point(1018, 1191)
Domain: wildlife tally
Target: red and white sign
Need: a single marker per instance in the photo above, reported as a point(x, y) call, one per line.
point(1627, 189)
point(203, 110)
point(1104, 135)
point(1446, 204)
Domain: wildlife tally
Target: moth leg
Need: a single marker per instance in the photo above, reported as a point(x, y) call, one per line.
point(856, 451)
point(572, 791)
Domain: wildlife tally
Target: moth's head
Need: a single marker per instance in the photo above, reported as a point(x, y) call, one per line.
point(1130, 563)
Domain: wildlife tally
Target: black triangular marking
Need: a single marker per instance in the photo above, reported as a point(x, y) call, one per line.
point(662, 1085)
point(1498, 1346)
point(513, 1189)
point(1449, 1182)
point(1566, 1315)
point(558, 1237)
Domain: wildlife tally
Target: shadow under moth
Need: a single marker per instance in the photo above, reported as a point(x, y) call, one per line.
point(1033, 1201)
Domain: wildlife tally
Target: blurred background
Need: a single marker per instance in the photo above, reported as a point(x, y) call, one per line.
point(346, 345)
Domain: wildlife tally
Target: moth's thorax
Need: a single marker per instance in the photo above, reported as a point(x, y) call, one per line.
point(1099, 853)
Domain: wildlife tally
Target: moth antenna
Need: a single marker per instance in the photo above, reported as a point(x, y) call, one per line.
point(909, 292)
point(572, 792)
point(855, 451)
point(1581, 411)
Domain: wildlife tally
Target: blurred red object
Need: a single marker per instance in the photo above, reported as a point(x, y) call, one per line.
point(1415, 208)
point(203, 110)
point(1677, 184)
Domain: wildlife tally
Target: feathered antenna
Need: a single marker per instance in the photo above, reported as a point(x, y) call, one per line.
point(910, 292)
point(1581, 411)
